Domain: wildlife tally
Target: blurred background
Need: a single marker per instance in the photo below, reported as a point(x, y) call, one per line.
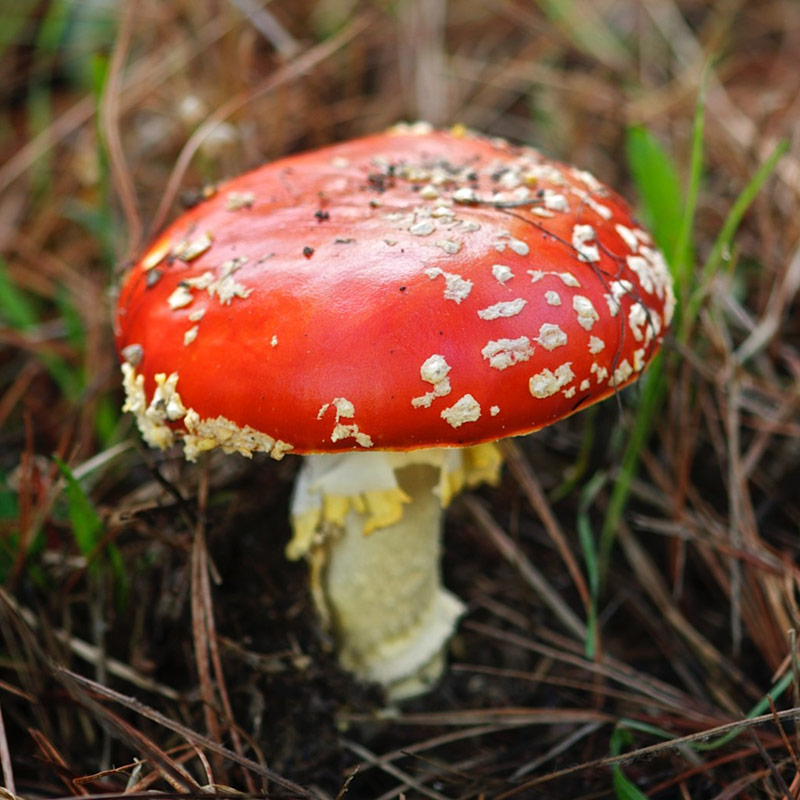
point(632, 584)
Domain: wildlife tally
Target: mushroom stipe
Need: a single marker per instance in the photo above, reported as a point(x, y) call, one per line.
point(455, 290)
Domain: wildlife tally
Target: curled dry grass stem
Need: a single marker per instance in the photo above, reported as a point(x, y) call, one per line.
point(50, 755)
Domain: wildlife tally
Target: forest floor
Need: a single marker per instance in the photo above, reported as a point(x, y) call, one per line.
point(631, 585)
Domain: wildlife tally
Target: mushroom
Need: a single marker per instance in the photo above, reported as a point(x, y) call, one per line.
point(388, 307)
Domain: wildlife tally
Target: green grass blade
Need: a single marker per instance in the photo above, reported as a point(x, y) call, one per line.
point(587, 542)
point(672, 222)
point(761, 707)
point(89, 532)
point(87, 526)
point(107, 421)
point(624, 788)
point(15, 16)
point(574, 476)
point(722, 245)
point(71, 317)
point(653, 393)
point(645, 727)
point(587, 30)
point(100, 219)
point(16, 309)
point(658, 186)
point(681, 258)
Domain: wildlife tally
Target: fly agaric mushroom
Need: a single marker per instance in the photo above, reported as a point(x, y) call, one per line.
point(388, 307)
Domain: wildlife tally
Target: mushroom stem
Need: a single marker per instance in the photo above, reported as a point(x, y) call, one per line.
point(370, 525)
point(383, 595)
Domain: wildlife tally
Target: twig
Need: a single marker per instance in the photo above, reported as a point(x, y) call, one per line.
point(200, 614)
point(49, 752)
point(650, 751)
point(5, 757)
point(646, 685)
point(557, 749)
point(207, 641)
point(109, 119)
point(735, 506)
point(773, 770)
point(782, 294)
point(533, 577)
point(508, 717)
point(651, 580)
point(783, 734)
point(529, 484)
point(82, 684)
point(267, 24)
point(421, 57)
point(90, 653)
point(174, 773)
point(391, 769)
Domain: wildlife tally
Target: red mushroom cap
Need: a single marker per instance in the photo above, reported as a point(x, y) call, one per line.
point(405, 290)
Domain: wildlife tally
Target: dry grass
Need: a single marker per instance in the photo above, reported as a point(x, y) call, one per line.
point(152, 636)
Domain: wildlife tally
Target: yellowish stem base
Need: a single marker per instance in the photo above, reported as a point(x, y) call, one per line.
point(370, 525)
point(382, 592)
